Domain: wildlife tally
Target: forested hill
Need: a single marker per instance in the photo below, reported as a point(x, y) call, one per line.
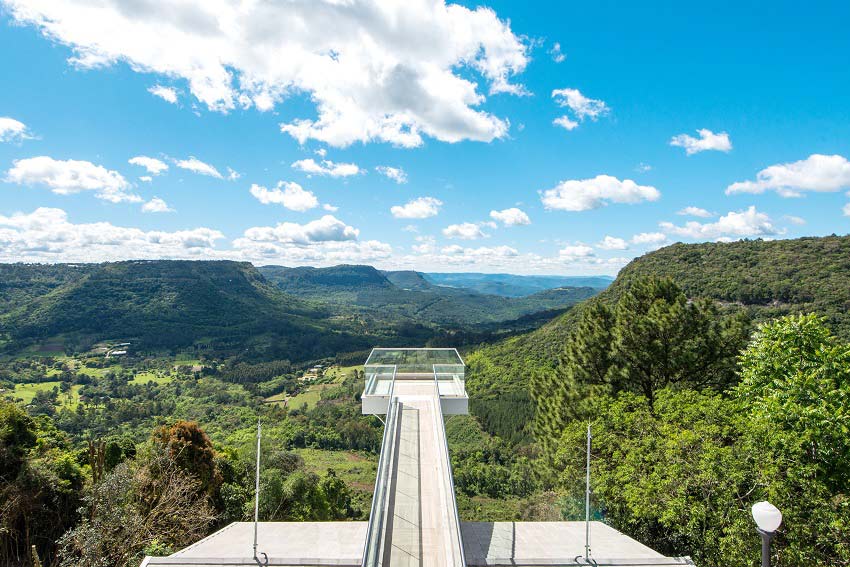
point(168, 304)
point(767, 278)
point(408, 295)
point(232, 308)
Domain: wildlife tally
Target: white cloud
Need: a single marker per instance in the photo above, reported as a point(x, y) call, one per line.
point(66, 177)
point(464, 231)
point(146, 178)
point(326, 229)
point(695, 212)
point(156, 205)
point(565, 122)
point(799, 221)
point(480, 253)
point(587, 194)
point(290, 195)
point(321, 152)
point(643, 167)
point(12, 130)
point(310, 166)
point(168, 94)
point(427, 245)
point(419, 208)
point(649, 238)
point(232, 174)
point(819, 173)
point(742, 224)
point(195, 165)
point(556, 53)
point(152, 165)
point(581, 106)
point(846, 210)
point(707, 140)
point(510, 217)
point(576, 251)
point(397, 174)
point(392, 72)
point(46, 235)
point(330, 208)
point(612, 243)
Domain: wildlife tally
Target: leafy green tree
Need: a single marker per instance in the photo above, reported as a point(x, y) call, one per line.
point(795, 390)
point(652, 338)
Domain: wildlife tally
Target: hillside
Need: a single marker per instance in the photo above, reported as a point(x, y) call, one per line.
point(510, 285)
point(767, 278)
point(223, 305)
point(409, 296)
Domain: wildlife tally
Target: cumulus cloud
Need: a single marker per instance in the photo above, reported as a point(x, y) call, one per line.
point(464, 231)
point(156, 205)
point(587, 194)
point(146, 178)
point(743, 224)
point(818, 173)
point(397, 174)
point(695, 212)
point(195, 165)
point(46, 235)
point(330, 208)
point(576, 251)
point(643, 167)
point(556, 54)
point(326, 229)
point(168, 94)
point(649, 238)
point(612, 243)
point(419, 208)
point(152, 165)
point(799, 221)
point(707, 140)
point(565, 122)
point(581, 107)
point(232, 174)
point(392, 72)
point(846, 210)
point(290, 195)
point(326, 167)
point(12, 130)
point(66, 177)
point(510, 217)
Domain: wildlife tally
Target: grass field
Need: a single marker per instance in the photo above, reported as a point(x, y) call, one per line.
point(313, 393)
point(26, 392)
point(145, 377)
point(357, 469)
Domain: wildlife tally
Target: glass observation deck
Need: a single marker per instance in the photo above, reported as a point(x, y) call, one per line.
point(392, 371)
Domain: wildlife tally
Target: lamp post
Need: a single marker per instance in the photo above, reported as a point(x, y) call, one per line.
point(767, 518)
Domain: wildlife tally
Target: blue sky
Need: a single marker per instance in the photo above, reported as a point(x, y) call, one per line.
point(662, 106)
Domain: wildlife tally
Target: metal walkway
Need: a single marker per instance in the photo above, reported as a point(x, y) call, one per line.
point(414, 520)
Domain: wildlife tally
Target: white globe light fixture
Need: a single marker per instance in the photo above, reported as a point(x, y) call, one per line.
point(768, 518)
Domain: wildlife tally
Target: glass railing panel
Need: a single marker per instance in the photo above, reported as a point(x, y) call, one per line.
point(379, 514)
point(378, 380)
point(451, 379)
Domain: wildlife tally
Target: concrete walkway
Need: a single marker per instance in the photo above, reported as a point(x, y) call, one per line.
point(423, 524)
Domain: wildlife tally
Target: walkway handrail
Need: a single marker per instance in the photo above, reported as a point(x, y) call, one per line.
point(372, 550)
point(451, 476)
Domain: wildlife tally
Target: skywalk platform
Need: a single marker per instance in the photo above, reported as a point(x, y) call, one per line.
point(414, 521)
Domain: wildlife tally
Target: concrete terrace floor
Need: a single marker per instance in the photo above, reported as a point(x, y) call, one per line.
point(485, 543)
